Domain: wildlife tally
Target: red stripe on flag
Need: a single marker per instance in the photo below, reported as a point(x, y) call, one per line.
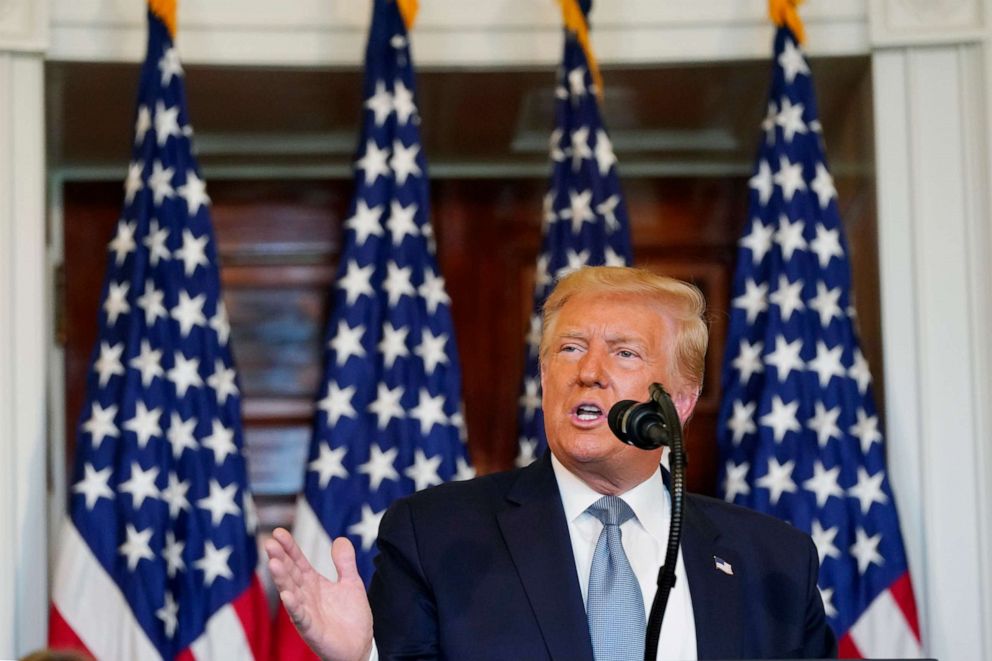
point(61, 636)
point(287, 644)
point(252, 609)
point(902, 592)
point(846, 649)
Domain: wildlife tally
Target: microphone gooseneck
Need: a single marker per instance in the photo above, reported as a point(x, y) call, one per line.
point(650, 425)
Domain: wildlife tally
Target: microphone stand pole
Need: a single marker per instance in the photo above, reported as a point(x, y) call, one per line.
point(676, 487)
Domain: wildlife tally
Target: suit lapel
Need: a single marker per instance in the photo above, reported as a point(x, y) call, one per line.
point(536, 534)
point(717, 603)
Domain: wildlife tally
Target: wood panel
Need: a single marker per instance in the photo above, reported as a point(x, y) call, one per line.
point(279, 245)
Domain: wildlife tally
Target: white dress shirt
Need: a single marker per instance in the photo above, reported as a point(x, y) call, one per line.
point(645, 541)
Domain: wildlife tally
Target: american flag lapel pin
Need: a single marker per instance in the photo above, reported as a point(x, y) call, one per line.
point(723, 565)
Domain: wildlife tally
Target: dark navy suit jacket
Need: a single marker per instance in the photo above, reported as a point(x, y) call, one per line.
point(484, 569)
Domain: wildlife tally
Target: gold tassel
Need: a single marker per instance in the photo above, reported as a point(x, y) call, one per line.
point(165, 10)
point(575, 21)
point(408, 10)
point(783, 12)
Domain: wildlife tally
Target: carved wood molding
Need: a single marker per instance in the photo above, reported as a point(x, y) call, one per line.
point(925, 22)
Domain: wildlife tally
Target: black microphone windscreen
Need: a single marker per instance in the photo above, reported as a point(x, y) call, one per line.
point(616, 415)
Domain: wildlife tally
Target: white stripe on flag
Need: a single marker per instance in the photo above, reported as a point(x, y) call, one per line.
point(109, 630)
point(224, 638)
point(882, 631)
point(313, 539)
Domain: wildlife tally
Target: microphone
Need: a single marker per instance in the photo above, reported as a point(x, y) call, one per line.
point(639, 424)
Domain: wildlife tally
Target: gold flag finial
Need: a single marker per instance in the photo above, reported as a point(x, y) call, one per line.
point(575, 21)
point(783, 12)
point(408, 10)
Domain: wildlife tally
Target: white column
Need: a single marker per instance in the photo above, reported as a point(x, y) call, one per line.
point(23, 555)
point(931, 70)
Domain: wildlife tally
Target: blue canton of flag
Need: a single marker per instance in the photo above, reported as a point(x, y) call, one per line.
point(158, 557)
point(585, 217)
point(798, 428)
point(389, 419)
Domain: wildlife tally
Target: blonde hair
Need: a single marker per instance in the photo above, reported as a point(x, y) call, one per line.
point(682, 302)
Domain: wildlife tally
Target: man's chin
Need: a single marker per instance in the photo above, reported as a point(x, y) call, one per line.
point(589, 447)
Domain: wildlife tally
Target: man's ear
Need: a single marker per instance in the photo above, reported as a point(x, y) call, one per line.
point(685, 404)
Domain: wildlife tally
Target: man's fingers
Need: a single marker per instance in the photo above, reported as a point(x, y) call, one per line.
point(280, 575)
point(343, 555)
point(274, 549)
point(291, 547)
point(296, 564)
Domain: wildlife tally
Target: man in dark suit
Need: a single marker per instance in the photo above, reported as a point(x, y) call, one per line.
point(526, 564)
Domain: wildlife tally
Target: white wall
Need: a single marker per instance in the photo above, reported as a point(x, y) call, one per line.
point(931, 72)
point(931, 64)
point(23, 570)
point(459, 33)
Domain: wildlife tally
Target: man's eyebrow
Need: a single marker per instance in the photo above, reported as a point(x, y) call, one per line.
point(576, 334)
point(626, 339)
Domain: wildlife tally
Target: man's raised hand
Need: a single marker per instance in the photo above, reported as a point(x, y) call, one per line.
point(333, 617)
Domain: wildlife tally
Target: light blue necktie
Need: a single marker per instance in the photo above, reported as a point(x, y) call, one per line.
point(614, 604)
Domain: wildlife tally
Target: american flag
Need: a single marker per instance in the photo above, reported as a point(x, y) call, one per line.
point(585, 217)
point(798, 429)
point(157, 558)
point(388, 420)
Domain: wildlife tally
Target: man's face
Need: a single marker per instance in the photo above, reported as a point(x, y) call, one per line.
point(603, 349)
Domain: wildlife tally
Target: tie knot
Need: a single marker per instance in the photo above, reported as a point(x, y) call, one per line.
point(611, 510)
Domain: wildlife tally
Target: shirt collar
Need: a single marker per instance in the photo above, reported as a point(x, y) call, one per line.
point(650, 499)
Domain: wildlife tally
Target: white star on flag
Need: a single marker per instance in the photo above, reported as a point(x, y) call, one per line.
point(109, 363)
point(423, 471)
point(174, 495)
point(374, 163)
point(328, 464)
point(220, 502)
point(368, 527)
point(365, 223)
point(380, 466)
point(123, 242)
point(100, 424)
point(781, 419)
point(824, 483)
point(188, 312)
point(736, 481)
point(145, 423)
point(141, 485)
point(778, 479)
point(337, 403)
point(137, 548)
point(180, 435)
point(94, 485)
point(758, 241)
point(215, 563)
point(386, 405)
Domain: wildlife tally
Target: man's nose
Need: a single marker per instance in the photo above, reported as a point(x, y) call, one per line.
point(592, 369)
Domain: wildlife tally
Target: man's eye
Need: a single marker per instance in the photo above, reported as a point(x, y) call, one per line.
point(626, 353)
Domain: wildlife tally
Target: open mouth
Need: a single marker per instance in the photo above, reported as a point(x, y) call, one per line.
point(588, 412)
